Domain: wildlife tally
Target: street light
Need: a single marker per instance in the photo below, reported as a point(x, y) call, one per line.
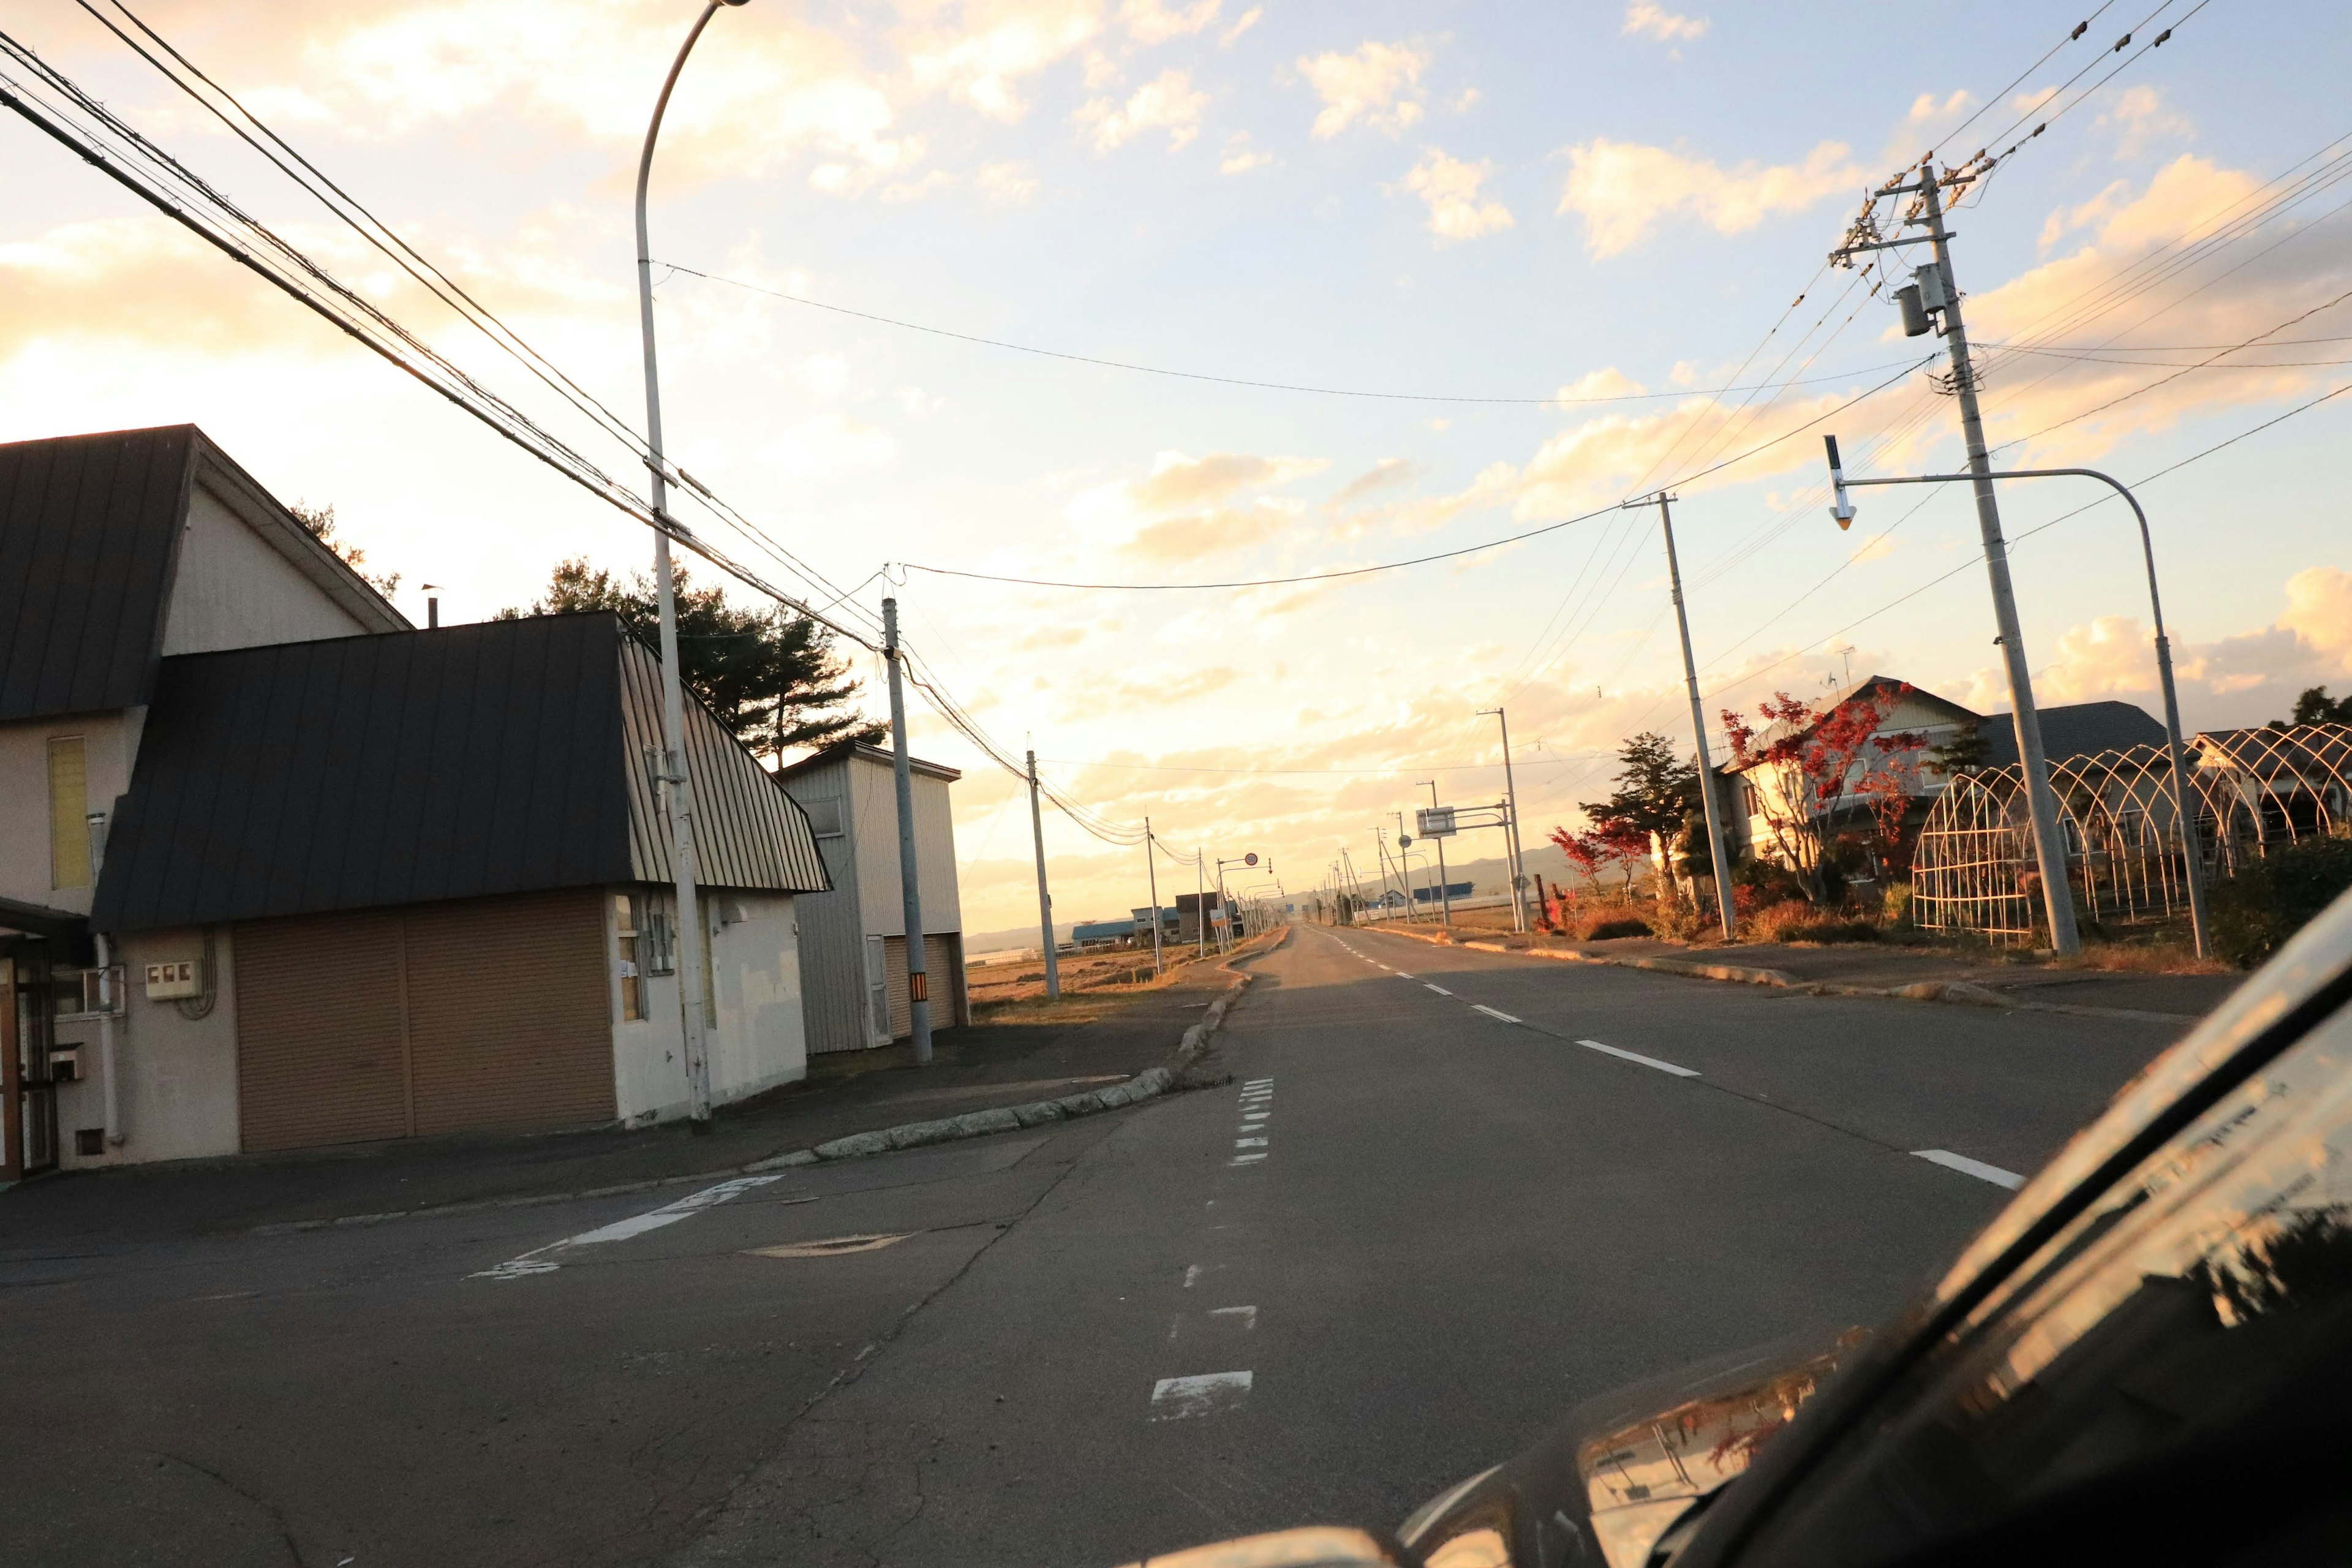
point(679, 794)
point(2192, 851)
point(1444, 898)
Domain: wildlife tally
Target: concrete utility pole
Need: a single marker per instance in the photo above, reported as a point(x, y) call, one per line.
point(1938, 290)
point(1151, 872)
point(1444, 896)
point(2192, 847)
point(680, 793)
point(1511, 828)
point(1405, 865)
point(1200, 909)
point(1698, 725)
point(911, 891)
point(1044, 900)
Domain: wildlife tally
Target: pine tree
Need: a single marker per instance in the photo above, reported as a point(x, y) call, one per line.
point(774, 678)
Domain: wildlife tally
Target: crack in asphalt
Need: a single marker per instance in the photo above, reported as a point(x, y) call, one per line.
point(277, 1514)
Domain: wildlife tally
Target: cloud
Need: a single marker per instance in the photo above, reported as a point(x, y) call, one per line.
point(2091, 297)
point(1217, 530)
point(1170, 684)
point(1007, 184)
point(1178, 482)
point(1187, 508)
point(1378, 84)
point(1155, 22)
point(1596, 385)
point(1646, 18)
point(1386, 474)
point(1450, 186)
point(917, 189)
point(1241, 23)
point(1622, 189)
point(2247, 678)
point(2140, 118)
point(981, 56)
point(1169, 103)
point(828, 443)
point(1239, 157)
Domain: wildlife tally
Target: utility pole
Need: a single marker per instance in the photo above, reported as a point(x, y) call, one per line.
point(1444, 898)
point(1199, 909)
point(910, 893)
point(678, 792)
point(1698, 726)
point(1044, 900)
point(1511, 828)
point(1151, 871)
point(1937, 290)
point(1404, 866)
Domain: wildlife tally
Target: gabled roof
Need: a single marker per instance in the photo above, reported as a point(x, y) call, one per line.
point(2074, 729)
point(867, 754)
point(90, 541)
point(1885, 691)
point(358, 773)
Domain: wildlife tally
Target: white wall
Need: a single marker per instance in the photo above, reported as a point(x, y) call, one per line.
point(234, 590)
point(758, 1039)
point(873, 819)
point(178, 1076)
point(107, 744)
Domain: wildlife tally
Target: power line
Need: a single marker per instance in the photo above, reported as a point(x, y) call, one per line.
point(1554, 400)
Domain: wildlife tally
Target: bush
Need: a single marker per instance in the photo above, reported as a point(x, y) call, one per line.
point(2258, 909)
point(1803, 922)
point(1606, 931)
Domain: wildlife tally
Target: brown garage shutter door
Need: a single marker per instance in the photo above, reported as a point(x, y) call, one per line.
point(508, 1017)
point(319, 1051)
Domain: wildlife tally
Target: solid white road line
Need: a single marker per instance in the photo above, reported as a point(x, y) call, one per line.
point(622, 1229)
point(1178, 1398)
point(1491, 1012)
point(1967, 1167)
point(1440, 990)
point(1638, 1056)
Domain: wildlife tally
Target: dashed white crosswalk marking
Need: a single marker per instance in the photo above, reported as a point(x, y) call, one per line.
point(1206, 1393)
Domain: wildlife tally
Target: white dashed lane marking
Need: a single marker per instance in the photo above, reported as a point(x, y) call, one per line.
point(1967, 1167)
point(1491, 1012)
point(1179, 1398)
point(1638, 1056)
point(1440, 990)
point(1250, 1145)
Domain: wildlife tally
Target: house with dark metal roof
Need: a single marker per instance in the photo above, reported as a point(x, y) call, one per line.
point(343, 880)
point(856, 991)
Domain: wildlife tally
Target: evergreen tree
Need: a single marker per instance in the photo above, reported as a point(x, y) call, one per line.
point(1657, 790)
point(774, 678)
point(2316, 707)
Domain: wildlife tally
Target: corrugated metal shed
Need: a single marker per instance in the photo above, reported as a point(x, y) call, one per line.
point(88, 525)
point(363, 771)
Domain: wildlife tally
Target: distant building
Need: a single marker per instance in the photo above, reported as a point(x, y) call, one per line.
point(854, 939)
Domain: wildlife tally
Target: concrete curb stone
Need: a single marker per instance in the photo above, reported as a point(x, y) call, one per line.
point(1962, 992)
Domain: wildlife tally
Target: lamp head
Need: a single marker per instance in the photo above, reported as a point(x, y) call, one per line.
point(1840, 508)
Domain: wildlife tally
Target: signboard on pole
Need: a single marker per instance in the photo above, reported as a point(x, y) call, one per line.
point(1435, 821)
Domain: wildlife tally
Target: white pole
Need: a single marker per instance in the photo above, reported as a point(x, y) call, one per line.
point(910, 888)
point(1698, 732)
point(674, 772)
point(1044, 900)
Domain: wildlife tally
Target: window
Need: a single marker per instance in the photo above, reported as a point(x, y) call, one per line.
point(625, 927)
point(68, 813)
point(824, 815)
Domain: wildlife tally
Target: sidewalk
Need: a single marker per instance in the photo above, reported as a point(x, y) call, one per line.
point(981, 1067)
point(1858, 968)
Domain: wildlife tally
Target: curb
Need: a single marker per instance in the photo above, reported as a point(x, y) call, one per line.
point(1961, 993)
point(1145, 1085)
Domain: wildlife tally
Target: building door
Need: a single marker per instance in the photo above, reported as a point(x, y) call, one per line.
point(489, 1013)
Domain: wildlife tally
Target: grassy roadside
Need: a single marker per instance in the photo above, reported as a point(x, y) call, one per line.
point(1094, 986)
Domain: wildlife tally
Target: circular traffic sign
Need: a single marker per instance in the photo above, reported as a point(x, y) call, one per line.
point(1250, 858)
point(1404, 840)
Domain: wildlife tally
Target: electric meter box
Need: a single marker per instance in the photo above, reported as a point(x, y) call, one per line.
point(174, 979)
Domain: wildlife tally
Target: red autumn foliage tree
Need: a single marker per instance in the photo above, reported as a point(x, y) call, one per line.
point(1611, 843)
point(1809, 764)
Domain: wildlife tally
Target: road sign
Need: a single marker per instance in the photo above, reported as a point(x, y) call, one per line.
point(1404, 840)
point(1250, 858)
point(1435, 821)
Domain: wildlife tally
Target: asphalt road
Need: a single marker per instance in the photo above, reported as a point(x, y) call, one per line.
point(1427, 1216)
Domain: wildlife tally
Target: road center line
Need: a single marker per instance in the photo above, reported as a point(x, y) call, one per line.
point(1638, 1056)
point(1967, 1167)
point(1440, 990)
point(1491, 1012)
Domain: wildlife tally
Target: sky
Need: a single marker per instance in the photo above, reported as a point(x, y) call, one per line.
point(1498, 266)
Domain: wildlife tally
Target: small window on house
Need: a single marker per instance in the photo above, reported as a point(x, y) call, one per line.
point(626, 919)
point(68, 813)
point(1747, 798)
point(824, 815)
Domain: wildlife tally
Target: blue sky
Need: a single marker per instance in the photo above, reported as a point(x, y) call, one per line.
point(1474, 201)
